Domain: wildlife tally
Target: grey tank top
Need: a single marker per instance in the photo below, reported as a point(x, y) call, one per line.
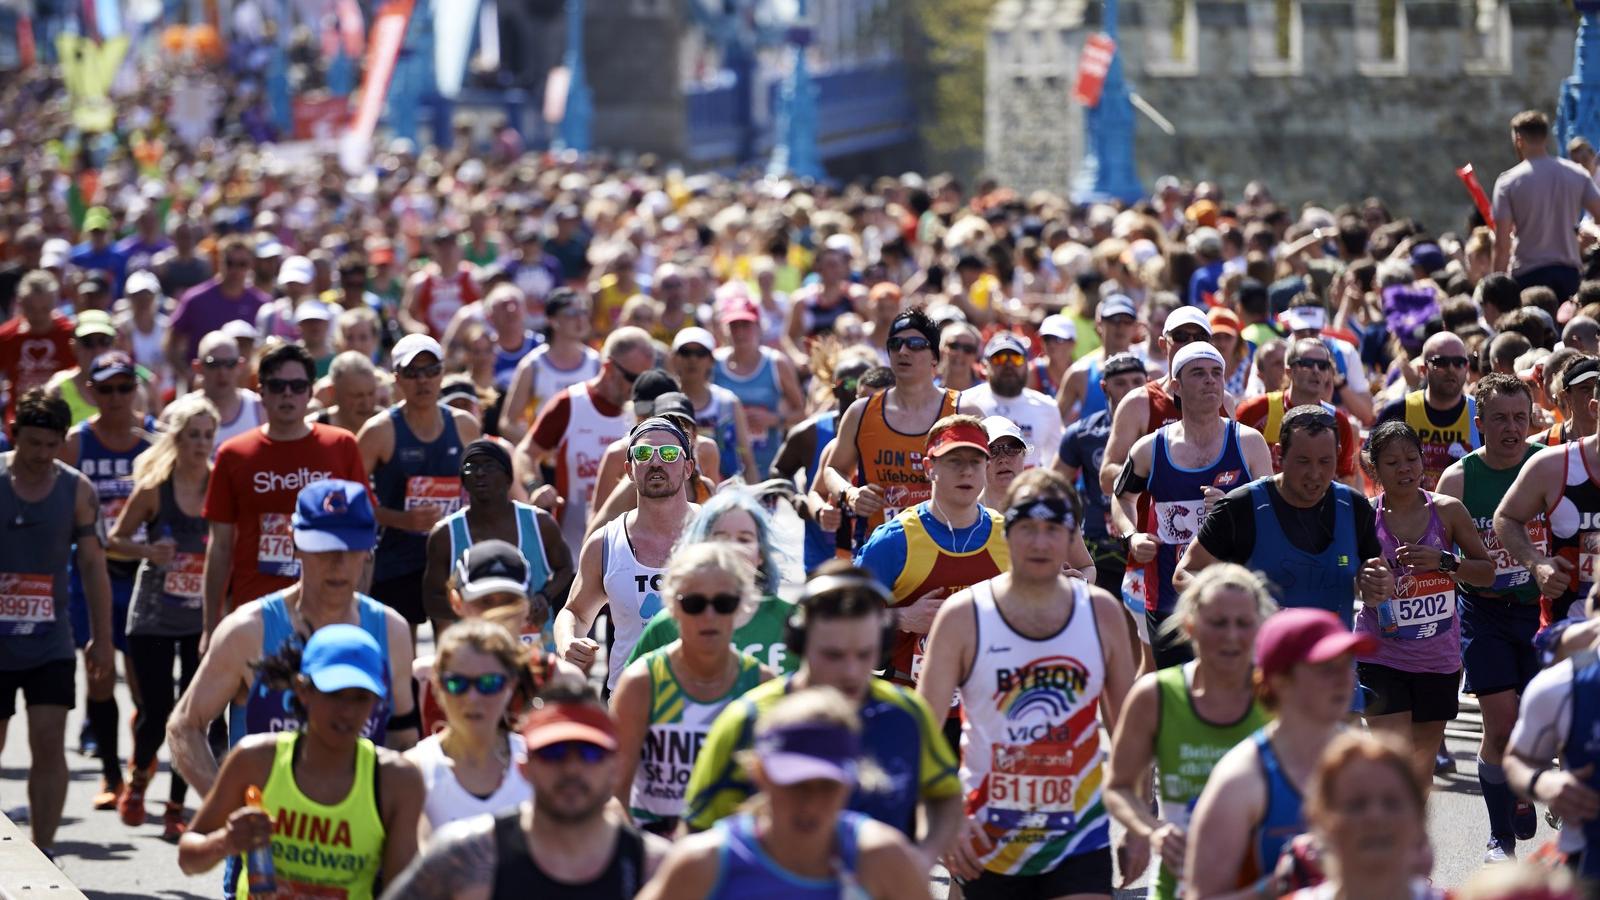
point(35, 545)
point(166, 599)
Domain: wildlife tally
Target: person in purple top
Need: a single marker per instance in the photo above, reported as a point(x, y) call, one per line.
point(140, 248)
point(208, 306)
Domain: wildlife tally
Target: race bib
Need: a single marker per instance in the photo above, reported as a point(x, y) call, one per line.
point(1588, 551)
point(27, 603)
point(1508, 573)
point(275, 547)
point(1422, 602)
point(185, 579)
point(1031, 789)
point(443, 493)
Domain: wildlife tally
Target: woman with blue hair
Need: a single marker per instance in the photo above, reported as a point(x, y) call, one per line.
point(736, 515)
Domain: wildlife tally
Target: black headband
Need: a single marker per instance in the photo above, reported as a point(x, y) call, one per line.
point(1043, 509)
point(38, 418)
point(486, 450)
point(659, 423)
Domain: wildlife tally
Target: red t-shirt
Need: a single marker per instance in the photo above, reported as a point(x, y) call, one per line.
point(254, 486)
point(1253, 412)
point(29, 358)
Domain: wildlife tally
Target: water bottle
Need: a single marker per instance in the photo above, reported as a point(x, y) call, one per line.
point(258, 862)
point(1388, 625)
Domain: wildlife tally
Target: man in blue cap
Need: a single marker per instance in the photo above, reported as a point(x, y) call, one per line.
point(334, 533)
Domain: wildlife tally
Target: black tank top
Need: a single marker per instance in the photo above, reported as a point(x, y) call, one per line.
point(517, 876)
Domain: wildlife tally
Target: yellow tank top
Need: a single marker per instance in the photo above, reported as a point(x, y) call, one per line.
point(1441, 446)
point(320, 850)
point(893, 460)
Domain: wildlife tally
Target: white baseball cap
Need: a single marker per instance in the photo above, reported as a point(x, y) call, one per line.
point(296, 270)
point(693, 335)
point(1186, 315)
point(142, 280)
point(997, 427)
point(240, 330)
point(312, 311)
point(413, 345)
point(1196, 350)
point(1058, 326)
point(1305, 318)
point(55, 252)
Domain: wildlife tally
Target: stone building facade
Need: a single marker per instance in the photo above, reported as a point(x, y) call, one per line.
point(1324, 100)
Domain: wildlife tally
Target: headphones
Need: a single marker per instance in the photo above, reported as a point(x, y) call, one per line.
point(794, 629)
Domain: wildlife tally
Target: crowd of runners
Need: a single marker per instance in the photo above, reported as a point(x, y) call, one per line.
point(438, 518)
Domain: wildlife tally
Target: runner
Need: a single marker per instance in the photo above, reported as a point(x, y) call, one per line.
point(566, 841)
point(1575, 385)
point(1172, 479)
point(940, 546)
point(220, 371)
point(621, 564)
point(253, 488)
point(491, 514)
point(576, 427)
point(1308, 371)
point(362, 801)
point(717, 410)
point(333, 530)
point(414, 454)
point(49, 515)
point(552, 367)
point(798, 840)
point(1184, 718)
point(762, 378)
point(665, 701)
point(802, 452)
point(161, 527)
point(1039, 661)
point(1082, 450)
point(1559, 483)
point(208, 306)
point(355, 386)
point(1116, 323)
point(1412, 677)
point(1442, 413)
point(1250, 809)
point(841, 630)
point(1006, 394)
point(1047, 373)
point(1498, 625)
point(37, 343)
point(735, 516)
point(470, 766)
point(1313, 539)
point(93, 336)
point(438, 289)
point(655, 393)
point(816, 306)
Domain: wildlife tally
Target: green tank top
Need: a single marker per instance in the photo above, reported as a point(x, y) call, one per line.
point(81, 408)
point(678, 726)
point(1187, 748)
point(320, 850)
point(1482, 490)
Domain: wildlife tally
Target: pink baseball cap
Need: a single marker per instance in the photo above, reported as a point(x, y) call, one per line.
point(737, 309)
point(1305, 635)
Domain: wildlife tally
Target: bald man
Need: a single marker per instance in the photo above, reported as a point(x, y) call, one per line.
point(1441, 413)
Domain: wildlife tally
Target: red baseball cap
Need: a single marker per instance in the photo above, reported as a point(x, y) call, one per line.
point(1305, 635)
point(962, 435)
point(554, 723)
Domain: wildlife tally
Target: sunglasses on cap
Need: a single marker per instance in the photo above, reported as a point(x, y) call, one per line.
point(914, 344)
point(1454, 362)
point(487, 685)
point(589, 753)
point(695, 604)
point(1008, 358)
point(286, 385)
point(667, 453)
point(1321, 365)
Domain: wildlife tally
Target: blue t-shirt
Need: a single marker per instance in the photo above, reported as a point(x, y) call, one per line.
point(1204, 283)
point(1082, 448)
point(85, 257)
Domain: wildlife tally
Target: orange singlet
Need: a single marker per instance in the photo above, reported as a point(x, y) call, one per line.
point(892, 460)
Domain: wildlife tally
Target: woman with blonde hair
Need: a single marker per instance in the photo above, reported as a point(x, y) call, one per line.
point(472, 765)
point(162, 527)
point(665, 701)
point(1185, 718)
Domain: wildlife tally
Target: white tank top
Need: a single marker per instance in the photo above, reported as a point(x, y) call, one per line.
point(548, 380)
point(448, 801)
point(1030, 746)
point(250, 415)
point(588, 435)
point(633, 590)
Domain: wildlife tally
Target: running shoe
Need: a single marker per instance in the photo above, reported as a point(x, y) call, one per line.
point(1445, 764)
point(130, 806)
point(1525, 821)
point(109, 795)
point(172, 823)
point(1500, 851)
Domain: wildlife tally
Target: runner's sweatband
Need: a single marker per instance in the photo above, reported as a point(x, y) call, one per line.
point(1042, 509)
point(1131, 482)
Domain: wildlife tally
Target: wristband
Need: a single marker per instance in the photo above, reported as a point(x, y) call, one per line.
point(1533, 781)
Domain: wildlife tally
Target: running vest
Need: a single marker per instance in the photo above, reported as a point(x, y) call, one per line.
point(1324, 580)
point(1171, 509)
point(1277, 408)
point(1481, 491)
point(35, 546)
point(505, 361)
point(1041, 371)
point(111, 473)
point(268, 709)
point(550, 380)
point(1030, 742)
point(251, 414)
point(1426, 638)
point(1094, 396)
point(1575, 527)
point(529, 541)
point(759, 389)
point(820, 546)
point(716, 421)
point(166, 599)
point(518, 877)
point(418, 473)
point(1583, 748)
point(1162, 410)
point(440, 297)
point(930, 567)
point(81, 408)
point(678, 726)
point(588, 435)
point(1282, 821)
point(320, 850)
point(1187, 749)
point(745, 870)
point(1442, 446)
point(892, 460)
point(633, 591)
point(447, 801)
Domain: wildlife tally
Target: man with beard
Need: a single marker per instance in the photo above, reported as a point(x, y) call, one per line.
point(1441, 413)
point(1309, 371)
point(1006, 394)
point(621, 564)
point(1082, 450)
point(491, 514)
point(563, 842)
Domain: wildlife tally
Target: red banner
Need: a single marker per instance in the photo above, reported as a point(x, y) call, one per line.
point(388, 32)
point(1093, 65)
point(1470, 179)
point(320, 118)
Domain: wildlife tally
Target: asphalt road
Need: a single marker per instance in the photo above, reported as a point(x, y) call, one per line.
point(108, 860)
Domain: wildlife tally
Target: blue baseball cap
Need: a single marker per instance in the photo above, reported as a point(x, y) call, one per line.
point(334, 515)
point(343, 656)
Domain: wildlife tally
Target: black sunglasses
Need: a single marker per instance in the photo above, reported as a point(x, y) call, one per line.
point(914, 344)
point(1458, 362)
point(1321, 365)
point(220, 362)
point(695, 604)
point(487, 685)
point(286, 385)
point(960, 347)
point(694, 351)
point(95, 340)
point(108, 389)
point(432, 371)
point(589, 753)
point(1187, 337)
point(629, 377)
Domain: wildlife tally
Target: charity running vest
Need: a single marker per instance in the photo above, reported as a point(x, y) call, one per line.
point(588, 435)
point(111, 473)
point(1284, 819)
point(892, 460)
point(1482, 488)
point(1030, 743)
point(417, 474)
point(633, 592)
point(1442, 446)
point(929, 567)
point(1575, 527)
point(529, 540)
